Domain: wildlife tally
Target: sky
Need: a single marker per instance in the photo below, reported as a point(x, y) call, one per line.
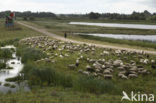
point(79, 6)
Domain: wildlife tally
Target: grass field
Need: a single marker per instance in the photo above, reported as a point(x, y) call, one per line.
point(149, 22)
point(56, 95)
point(61, 26)
point(65, 85)
point(44, 94)
point(18, 32)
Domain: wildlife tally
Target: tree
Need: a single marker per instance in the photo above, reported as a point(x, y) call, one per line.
point(32, 18)
point(93, 15)
point(25, 18)
point(147, 13)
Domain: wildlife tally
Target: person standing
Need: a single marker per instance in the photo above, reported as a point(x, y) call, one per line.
point(65, 35)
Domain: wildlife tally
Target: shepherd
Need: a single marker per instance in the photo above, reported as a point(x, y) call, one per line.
point(65, 35)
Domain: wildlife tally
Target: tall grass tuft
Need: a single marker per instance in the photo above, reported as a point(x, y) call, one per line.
point(5, 54)
point(30, 54)
point(9, 42)
point(42, 75)
point(93, 85)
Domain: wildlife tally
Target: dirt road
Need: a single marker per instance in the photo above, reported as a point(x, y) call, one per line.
point(43, 31)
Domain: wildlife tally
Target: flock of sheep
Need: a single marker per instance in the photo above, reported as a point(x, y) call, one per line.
point(125, 65)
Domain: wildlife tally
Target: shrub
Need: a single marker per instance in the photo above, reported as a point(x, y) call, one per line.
point(64, 80)
point(47, 26)
point(2, 65)
point(42, 75)
point(10, 42)
point(93, 85)
point(30, 54)
point(25, 18)
point(5, 54)
point(14, 79)
point(31, 18)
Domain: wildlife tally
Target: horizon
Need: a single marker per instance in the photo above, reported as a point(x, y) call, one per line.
point(79, 6)
point(77, 13)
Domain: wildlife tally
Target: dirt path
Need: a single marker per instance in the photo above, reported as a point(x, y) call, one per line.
point(79, 42)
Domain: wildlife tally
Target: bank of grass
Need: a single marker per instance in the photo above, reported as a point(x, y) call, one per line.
point(30, 54)
point(46, 74)
point(54, 74)
point(2, 66)
point(148, 22)
point(46, 77)
point(5, 54)
point(57, 83)
point(61, 26)
point(145, 44)
point(18, 32)
point(57, 95)
point(54, 83)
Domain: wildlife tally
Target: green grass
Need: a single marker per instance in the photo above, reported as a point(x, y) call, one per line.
point(150, 22)
point(57, 95)
point(90, 84)
point(45, 76)
point(56, 83)
point(15, 79)
point(61, 26)
point(5, 54)
point(18, 32)
point(30, 54)
point(2, 66)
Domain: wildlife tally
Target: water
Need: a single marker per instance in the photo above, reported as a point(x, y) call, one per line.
point(151, 38)
point(133, 26)
point(17, 66)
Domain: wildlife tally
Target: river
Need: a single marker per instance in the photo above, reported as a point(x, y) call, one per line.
point(133, 26)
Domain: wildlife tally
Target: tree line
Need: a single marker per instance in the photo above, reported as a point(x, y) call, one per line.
point(146, 15)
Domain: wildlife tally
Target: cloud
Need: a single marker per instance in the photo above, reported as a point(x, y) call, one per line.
point(153, 3)
point(79, 6)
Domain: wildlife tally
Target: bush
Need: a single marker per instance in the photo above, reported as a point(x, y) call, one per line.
point(31, 18)
point(10, 42)
point(42, 75)
point(5, 54)
point(47, 76)
point(25, 18)
point(2, 65)
point(93, 15)
point(47, 26)
point(93, 85)
point(30, 54)
point(14, 79)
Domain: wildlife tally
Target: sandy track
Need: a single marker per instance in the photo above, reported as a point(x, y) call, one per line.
point(43, 31)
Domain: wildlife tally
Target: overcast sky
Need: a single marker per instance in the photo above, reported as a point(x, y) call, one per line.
point(79, 6)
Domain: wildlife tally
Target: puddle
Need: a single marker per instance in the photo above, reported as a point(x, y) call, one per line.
point(17, 66)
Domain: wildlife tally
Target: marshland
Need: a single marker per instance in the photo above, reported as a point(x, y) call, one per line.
point(61, 71)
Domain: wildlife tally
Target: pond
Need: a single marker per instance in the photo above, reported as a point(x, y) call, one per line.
point(133, 26)
point(150, 38)
point(16, 65)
